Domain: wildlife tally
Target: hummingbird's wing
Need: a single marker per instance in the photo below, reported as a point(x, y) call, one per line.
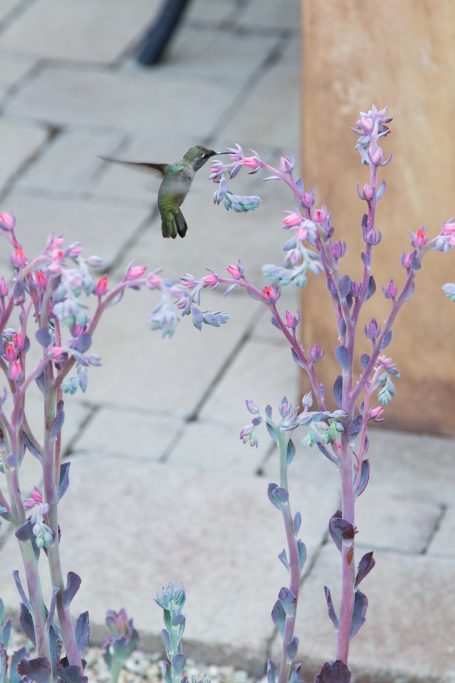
point(145, 167)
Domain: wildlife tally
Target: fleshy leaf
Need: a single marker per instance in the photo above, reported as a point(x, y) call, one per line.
point(278, 496)
point(82, 631)
point(331, 609)
point(387, 339)
point(290, 451)
point(366, 564)
point(279, 616)
point(359, 612)
point(364, 477)
point(334, 672)
point(343, 357)
point(338, 391)
point(38, 669)
point(64, 479)
point(73, 583)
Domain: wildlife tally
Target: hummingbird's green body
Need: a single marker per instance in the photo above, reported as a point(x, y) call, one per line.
point(176, 184)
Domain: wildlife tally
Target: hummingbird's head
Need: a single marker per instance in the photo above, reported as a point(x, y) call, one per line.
point(198, 155)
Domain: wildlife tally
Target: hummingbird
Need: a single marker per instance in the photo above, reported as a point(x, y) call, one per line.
point(175, 185)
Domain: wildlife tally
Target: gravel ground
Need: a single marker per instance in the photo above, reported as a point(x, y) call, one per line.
point(142, 667)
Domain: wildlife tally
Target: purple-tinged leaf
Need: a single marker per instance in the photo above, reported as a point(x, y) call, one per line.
point(40, 382)
point(198, 318)
point(290, 452)
point(279, 616)
point(71, 674)
point(335, 538)
point(73, 582)
point(64, 479)
point(252, 407)
point(295, 675)
point(355, 427)
point(26, 622)
point(83, 342)
point(38, 670)
point(364, 477)
point(291, 648)
point(366, 564)
point(287, 600)
point(43, 337)
point(359, 612)
point(24, 532)
point(344, 286)
point(342, 529)
point(55, 644)
point(51, 612)
point(284, 560)
point(364, 360)
point(3, 663)
point(330, 608)
point(334, 672)
point(297, 359)
point(301, 549)
point(278, 496)
point(380, 191)
point(330, 456)
point(297, 522)
point(341, 328)
point(178, 663)
point(31, 447)
point(229, 290)
point(338, 391)
point(272, 432)
point(58, 421)
point(371, 288)
point(21, 591)
point(14, 676)
point(271, 672)
point(343, 357)
point(386, 340)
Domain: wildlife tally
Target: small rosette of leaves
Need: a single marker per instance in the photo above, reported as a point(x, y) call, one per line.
point(120, 643)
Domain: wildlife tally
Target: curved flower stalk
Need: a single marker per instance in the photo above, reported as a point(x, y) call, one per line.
point(56, 300)
point(341, 437)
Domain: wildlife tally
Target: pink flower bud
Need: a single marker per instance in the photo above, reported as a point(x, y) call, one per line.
point(19, 340)
point(234, 272)
point(74, 250)
point(57, 353)
point(376, 414)
point(406, 260)
point(448, 229)
point(76, 330)
point(391, 290)
point(7, 221)
point(3, 287)
point(10, 351)
point(40, 279)
point(154, 281)
point(15, 370)
point(135, 272)
point(210, 280)
point(287, 164)
point(302, 233)
point(271, 295)
point(55, 243)
point(420, 239)
point(251, 162)
point(292, 220)
point(376, 156)
point(367, 191)
point(292, 320)
point(18, 258)
point(57, 254)
point(307, 199)
point(319, 215)
point(101, 286)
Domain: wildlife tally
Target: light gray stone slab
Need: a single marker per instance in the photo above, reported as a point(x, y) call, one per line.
point(70, 162)
point(271, 15)
point(415, 466)
point(211, 11)
point(270, 111)
point(219, 56)
point(409, 632)
point(127, 434)
point(13, 68)
point(210, 447)
point(143, 524)
point(166, 376)
point(395, 523)
point(443, 543)
point(102, 229)
point(140, 102)
point(18, 142)
point(217, 237)
point(261, 372)
point(7, 6)
point(100, 29)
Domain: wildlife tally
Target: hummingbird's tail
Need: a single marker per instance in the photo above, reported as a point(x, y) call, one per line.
point(174, 224)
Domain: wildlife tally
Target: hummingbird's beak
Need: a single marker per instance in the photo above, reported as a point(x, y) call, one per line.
point(218, 153)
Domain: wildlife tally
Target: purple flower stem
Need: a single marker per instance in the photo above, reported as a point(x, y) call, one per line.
point(294, 586)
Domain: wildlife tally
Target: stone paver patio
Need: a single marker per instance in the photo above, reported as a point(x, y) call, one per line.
point(162, 488)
